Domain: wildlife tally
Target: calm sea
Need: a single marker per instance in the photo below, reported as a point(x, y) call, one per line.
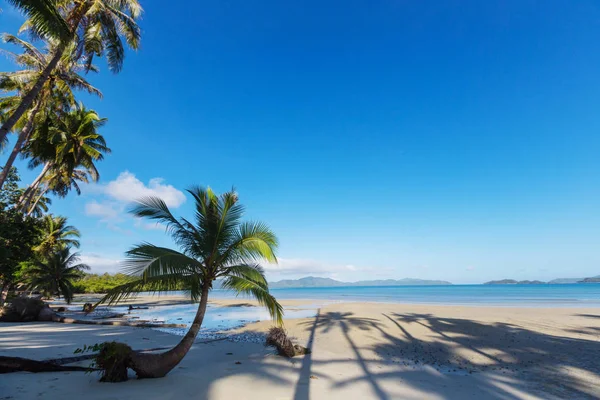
point(565, 295)
point(219, 318)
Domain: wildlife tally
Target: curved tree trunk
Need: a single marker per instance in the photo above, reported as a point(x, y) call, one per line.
point(27, 196)
point(37, 200)
point(159, 365)
point(23, 138)
point(32, 94)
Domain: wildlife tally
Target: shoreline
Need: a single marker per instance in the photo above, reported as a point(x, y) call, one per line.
point(150, 300)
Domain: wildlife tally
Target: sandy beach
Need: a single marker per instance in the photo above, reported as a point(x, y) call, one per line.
point(360, 350)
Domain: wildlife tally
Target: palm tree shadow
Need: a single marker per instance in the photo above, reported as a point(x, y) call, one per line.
point(346, 321)
point(535, 359)
point(302, 390)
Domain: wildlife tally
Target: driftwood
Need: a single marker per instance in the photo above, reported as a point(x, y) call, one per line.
point(16, 364)
point(278, 338)
point(66, 320)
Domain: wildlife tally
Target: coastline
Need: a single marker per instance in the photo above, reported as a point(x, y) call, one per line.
point(368, 350)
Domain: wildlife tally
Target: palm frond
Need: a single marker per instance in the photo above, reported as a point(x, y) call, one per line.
point(45, 19)
point(148, 261)
point(157, 284)
point(248, 287)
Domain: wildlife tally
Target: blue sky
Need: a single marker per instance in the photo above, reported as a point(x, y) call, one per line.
point(451, 140)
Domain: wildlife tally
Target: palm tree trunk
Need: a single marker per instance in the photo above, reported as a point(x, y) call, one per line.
point(37, 201)
point(27, 196)
point(23, 138)
point(28, 99)
point(159, 365)
point(2, 294)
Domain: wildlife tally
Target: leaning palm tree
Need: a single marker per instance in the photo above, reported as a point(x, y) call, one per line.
point(56, 235)
point(55, 274)
point(215, 245)
point(94, 27)
point(55, 95)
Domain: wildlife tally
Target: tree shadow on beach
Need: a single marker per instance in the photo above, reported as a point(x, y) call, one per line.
point(535, 360)
point(501, 360)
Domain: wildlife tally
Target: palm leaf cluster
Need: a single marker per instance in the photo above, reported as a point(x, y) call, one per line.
point(55, 273)
point(214, 244)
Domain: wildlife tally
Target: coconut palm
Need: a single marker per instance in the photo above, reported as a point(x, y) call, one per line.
point(56, 93)
point(54, 275)
point(216, 244)
point(68, 146)
point(94, 27)
point(56, 235)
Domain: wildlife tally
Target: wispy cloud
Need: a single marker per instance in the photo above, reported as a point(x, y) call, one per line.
point(127, 188)
point(296, 268)
point(114, 197)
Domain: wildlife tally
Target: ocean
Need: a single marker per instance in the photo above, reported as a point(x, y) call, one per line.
point(220, 318)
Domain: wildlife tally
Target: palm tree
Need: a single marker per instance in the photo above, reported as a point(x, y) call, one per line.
point(216, 245)
point(56, 235)
point(55, 274)
point(56, 93)
point(93, 27)
point(68, 146)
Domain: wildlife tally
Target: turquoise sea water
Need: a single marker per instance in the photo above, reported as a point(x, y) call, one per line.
point(565, 295)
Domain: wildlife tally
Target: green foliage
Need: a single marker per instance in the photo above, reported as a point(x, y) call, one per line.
point(56, 234)
point(54, 274)
point(18, 233)
point(94, 283)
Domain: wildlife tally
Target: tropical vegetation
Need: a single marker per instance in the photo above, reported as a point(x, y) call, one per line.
point(54, 274)
point(215, 244)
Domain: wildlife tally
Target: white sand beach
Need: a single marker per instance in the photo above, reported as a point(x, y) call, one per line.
point(370, 350)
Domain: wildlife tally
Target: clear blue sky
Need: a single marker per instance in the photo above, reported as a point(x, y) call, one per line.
point(453, 140)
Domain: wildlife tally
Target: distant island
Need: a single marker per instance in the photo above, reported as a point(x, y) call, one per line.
point(514, 282)
point(593, 279)
point(312, 281)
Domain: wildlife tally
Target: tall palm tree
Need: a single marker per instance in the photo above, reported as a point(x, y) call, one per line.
point(94, 27)
point(215, 245)
point(56, 235)
point(55, 274)
point(68, 146)
point(56, 93)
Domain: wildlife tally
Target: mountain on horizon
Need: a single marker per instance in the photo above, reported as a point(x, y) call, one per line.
point(313, 281)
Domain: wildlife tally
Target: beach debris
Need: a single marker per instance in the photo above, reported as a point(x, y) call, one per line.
point(113, 359)
point(88, 307)
point(278, 338)
point(138, 308)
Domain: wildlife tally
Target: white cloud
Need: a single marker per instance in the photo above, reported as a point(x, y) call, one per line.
point(128, 188)
point(100, 264)
point(106, 211)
